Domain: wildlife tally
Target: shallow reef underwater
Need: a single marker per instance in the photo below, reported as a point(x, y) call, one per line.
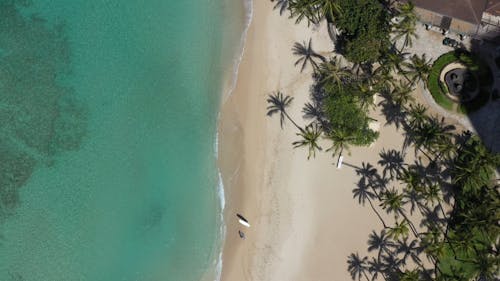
point(40, 116)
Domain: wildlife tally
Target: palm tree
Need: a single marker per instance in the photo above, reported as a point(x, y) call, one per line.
point(406, 29)
point(418, 68)
point(484, 216)
point(314, 10)
point(486, 267)
point(434, 135)
point(393, 202)
point(407, 10)
point(340, 141)
point(306, 54)
point(474, 166)
point(382, 78)
point(357, 266)
point(332, 72)
point(410, 275)
point(413, 181)
point(393, 59)
point(392, 161)
point(417, 115)
point(303, 9)
point(281, 4)
point(401, 94)
point(432, 244)
point(363, 193)
point(400, 229)
point(310, 136)
point(328, 9)
point(365, 95)
point(432, 194)
point(278, 103)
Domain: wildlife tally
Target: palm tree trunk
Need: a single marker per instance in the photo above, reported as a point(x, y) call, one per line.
point(412, 227)
point(293, 122)
point(426, 155)
point(377, 213)
point(340, 156)
point(376, 194)
point(442, 212)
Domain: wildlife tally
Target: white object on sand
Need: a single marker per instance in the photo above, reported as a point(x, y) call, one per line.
point(245, 223)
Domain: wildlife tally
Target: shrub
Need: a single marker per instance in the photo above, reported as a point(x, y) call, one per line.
point(437, 90)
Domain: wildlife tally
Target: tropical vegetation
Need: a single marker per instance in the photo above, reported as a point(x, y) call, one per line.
point(439, 91)
point(365, 30)
point(439, 214)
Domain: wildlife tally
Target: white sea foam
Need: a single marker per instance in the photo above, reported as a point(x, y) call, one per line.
point(248, 5)
point(222, 230)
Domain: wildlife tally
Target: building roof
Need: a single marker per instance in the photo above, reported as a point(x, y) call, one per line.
point(466, 10)
point(493, 7)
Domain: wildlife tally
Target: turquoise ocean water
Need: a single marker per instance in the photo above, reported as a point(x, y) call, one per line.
point(108, 113)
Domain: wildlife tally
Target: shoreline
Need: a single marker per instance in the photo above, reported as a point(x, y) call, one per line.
point(240, 162)
point(228, 84)
point(286, 198)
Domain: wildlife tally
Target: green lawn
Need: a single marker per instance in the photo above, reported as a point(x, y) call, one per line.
point(439, 91)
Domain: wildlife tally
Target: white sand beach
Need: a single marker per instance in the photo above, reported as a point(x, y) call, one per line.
point(304, 219)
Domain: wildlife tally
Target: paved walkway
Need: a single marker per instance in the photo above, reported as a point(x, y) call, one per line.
point(459, 118)
point(430, 42)
point(486, 121)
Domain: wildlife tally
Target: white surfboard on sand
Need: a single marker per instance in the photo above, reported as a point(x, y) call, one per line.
point(242, 220)
point(244, 223)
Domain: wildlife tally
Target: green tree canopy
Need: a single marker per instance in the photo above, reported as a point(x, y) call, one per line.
point(365, 27)
point(343, 113)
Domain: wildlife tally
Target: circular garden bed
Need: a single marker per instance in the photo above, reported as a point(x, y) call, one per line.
point(460, 82)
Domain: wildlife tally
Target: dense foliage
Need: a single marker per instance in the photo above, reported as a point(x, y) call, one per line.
point(444, 205)
point(342, 112)
point(446, 210)
point(474, 64)
point(365, 30)
point(338, 111)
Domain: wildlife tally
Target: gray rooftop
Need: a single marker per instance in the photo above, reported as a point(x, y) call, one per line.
point(466, 10)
